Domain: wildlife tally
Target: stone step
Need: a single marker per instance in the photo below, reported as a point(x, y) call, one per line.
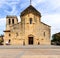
point(30, 47)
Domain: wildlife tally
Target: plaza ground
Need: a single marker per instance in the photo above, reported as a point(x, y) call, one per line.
point(40, 51)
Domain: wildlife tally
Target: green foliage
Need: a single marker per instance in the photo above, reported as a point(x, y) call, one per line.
point(56, 37)
point(1, 39)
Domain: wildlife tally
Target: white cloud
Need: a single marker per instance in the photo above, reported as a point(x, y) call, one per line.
point(6, 4)
point(2, 25)
point(2, 21)
point(50, 5)
point(53, 20)
point(19, 19)
point(35, 2)
point(55, 3)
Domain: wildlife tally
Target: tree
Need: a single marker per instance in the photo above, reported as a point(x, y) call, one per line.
point(56, 38)
point(1, 40)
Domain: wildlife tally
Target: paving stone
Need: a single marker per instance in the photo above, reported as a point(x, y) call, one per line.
point(27, 52)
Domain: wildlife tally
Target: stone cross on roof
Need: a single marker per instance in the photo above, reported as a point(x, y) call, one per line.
point(30, 2)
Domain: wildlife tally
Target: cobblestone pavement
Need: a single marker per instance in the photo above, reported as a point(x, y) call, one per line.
point(29, 51)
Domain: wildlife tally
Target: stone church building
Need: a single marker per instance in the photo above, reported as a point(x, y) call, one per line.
point(30, 31)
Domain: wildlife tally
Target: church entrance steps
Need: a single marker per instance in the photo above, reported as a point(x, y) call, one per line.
point(30, 47)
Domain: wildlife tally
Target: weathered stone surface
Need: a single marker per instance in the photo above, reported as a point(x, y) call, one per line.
point(30, 27)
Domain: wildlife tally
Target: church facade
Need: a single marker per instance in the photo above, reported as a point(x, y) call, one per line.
point(30, 31)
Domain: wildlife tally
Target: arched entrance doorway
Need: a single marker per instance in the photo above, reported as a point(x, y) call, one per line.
point(30, 40)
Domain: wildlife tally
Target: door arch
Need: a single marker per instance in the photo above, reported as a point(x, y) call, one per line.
point(30, 39)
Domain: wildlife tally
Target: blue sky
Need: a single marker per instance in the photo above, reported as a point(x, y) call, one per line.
point(49, 9)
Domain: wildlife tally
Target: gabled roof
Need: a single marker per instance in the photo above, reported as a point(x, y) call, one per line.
point(45, 24)
point(30, 9)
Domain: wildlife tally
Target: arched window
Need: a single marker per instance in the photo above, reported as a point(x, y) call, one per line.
point(9, 41)
point(9, 34)
point(12, 21)
point(38, 43)
point(30, 20)
point(44, 33)
point(9, 21)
